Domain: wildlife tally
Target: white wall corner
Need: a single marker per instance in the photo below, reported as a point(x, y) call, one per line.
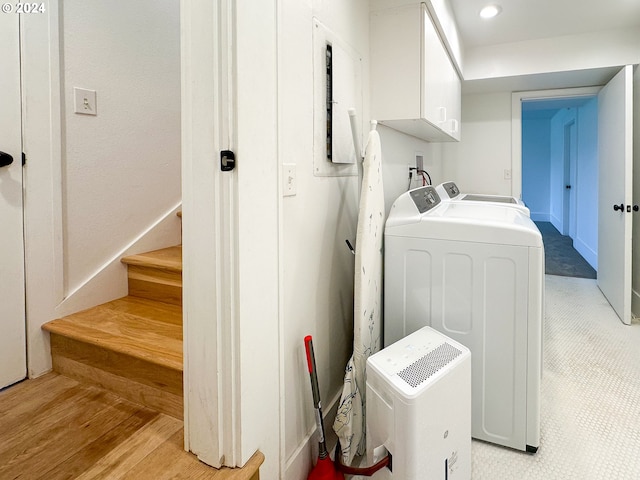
point(299, 463)
point(556, 222)
point(587, 253)
point(110, 280)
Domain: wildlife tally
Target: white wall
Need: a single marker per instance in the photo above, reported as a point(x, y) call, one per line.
point(536, 166)
point(398, 153)
point(586, 236)
point(316, 265)
point(96, 187)
point(121, 168)
point(562, 118)
point(478, 162)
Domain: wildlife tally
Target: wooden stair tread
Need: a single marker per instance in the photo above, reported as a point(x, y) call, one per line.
point(128, 326)
point(152, 309)
point(169, 259)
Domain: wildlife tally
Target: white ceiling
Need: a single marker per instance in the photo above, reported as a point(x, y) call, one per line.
point(532, 19)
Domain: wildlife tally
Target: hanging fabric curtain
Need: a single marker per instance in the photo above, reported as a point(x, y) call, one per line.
point(349, 424)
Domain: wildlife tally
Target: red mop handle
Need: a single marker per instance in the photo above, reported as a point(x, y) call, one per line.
point(311, 363)
point(308, 346)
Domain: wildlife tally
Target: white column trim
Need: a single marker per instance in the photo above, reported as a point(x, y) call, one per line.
point(209, 234)
point(231, 233)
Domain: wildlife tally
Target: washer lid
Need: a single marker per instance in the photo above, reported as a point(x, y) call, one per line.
point(449, 191)
point(476, 197)
point(462, 221)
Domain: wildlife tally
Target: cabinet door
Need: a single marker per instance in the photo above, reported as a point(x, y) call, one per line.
point(396, 64)
point(436, 71)
point(454, 107)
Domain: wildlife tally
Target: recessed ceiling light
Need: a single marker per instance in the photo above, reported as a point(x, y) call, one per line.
point(490, 11)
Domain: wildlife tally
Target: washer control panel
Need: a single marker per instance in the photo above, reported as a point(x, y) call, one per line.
point(425, 198)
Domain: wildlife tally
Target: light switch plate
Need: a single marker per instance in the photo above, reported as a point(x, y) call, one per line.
point(84, 101)
point(289, 179)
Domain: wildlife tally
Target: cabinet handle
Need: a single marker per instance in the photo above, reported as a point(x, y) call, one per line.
point(443, 114)
point(454, 125)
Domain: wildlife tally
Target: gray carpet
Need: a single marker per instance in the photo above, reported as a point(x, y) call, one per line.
point(590, 411)
point(560, 256)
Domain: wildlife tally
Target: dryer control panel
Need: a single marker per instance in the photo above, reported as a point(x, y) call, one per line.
point(452, 189)
point(425, 198)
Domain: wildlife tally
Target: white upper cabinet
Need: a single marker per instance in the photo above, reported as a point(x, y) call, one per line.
point(414, 86)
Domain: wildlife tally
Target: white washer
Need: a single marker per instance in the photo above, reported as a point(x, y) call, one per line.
point(474, 272)
point(449, 191)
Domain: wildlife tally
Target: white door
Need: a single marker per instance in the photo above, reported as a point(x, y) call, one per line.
point(615, 153)
point(12, 301)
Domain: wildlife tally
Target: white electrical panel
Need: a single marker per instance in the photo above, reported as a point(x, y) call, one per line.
point(337, 86)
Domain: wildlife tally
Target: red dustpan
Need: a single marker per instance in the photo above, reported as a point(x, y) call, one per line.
point(324, 468)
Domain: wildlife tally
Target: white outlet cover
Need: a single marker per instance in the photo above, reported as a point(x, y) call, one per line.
point(289, 179)
point(84, 101)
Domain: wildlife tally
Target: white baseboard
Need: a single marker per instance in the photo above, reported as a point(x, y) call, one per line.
point(587, 253)
point(299, 464)
point(555, 221)
point(110, 280)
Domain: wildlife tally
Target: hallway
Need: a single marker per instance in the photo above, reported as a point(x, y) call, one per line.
point(560, 256)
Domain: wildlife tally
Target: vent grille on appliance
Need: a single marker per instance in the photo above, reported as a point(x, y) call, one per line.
point(430, 364)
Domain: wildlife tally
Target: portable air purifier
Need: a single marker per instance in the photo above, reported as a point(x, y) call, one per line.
point(419, 408)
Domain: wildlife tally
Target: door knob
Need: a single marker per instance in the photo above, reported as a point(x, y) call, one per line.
point(5, 159)
point(567, 187)
point(619, 207)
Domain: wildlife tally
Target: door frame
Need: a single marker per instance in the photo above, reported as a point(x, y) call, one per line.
point(42, 144)
point(516, 124)
point(235, 386)
point(239, 371)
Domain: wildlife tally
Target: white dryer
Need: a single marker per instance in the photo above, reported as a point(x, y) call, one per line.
point(474, 272)
point(449, 191)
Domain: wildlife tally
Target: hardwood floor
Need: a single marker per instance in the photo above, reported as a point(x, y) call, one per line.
point(56, 428)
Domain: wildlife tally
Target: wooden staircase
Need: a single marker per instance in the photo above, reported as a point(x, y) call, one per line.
point(131, 346)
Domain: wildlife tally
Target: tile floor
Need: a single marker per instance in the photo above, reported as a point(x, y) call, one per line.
point(590, 419)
